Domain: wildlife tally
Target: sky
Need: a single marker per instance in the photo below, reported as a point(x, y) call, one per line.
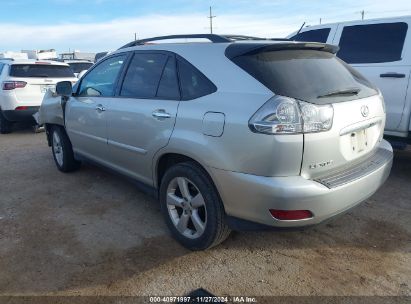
point(104, 25)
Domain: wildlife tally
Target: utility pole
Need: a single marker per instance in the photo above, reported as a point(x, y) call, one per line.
point(362, 14)
point(320, 20)
point(211, 17)
point(135, 36)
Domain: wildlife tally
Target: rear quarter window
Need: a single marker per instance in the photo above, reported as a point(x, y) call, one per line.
point(193, 83)
point(40, 71)
point(320, 35)
point(373, 43)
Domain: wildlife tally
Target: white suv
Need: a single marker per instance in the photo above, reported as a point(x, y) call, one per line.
point(79, 66)
point(379, 49)
point(23, 85)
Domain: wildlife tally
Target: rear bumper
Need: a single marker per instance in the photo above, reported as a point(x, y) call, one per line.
point(249, 197)
point(21, 115)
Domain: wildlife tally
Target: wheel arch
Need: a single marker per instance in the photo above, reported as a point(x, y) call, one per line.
point(166, 160)
point(48, 127)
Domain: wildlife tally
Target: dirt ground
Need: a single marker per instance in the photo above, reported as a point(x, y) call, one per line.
point(93, 233)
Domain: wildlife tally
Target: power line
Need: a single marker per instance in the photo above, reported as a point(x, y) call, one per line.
point(389, 11)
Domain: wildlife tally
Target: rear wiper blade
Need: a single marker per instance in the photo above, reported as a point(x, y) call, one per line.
point(350, 91)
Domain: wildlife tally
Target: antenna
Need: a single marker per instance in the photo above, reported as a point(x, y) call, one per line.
point(300, 29)
point(211, 17)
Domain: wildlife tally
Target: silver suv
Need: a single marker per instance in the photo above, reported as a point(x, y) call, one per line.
point(238, 133)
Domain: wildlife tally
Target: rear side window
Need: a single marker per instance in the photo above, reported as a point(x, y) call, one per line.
point(168, 87)
point(143, 75)
point(373, 43)
point(192, 82)
point(320, 35)
point(307, 75)
point(40, 71)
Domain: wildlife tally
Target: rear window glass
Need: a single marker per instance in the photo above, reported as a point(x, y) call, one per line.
point(77, 67)
point(373, 43)
point(320, 35)
point(192, 82)
point(306, 75)
point(40, 71)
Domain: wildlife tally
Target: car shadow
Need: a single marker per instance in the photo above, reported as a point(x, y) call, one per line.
point(91, 228)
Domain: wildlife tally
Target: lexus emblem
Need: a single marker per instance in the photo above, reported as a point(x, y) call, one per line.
point(365, 111)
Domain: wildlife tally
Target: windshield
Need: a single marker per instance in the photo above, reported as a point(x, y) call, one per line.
point(308, 75)
point(41, 71)
point(77, 67)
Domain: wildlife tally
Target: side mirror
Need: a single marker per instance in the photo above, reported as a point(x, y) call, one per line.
point(81, 74)
point(64, 88)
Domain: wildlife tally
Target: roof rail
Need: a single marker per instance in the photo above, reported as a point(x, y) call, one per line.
point(242, 37)
point(8, 59)
point(214, 38)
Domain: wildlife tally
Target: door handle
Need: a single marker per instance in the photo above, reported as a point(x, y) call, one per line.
point(161, 114)
point(100, 108)
point(392, 75)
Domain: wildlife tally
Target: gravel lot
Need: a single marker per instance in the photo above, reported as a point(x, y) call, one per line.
point(93, 233)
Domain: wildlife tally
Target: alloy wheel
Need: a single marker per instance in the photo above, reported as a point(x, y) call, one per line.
point(57, 149)
point(186, 207)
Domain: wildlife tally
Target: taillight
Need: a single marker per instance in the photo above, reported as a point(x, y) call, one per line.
point(21, 108)
point(285, 115)
point(11, 85)
point(291, 215)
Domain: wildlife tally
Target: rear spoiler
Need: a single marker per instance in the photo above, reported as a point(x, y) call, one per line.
point(240, 49)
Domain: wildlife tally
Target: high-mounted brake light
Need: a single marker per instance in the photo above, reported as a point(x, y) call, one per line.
point(291, 215)
point(285, 115)
point(11, 85)
point(42, 62)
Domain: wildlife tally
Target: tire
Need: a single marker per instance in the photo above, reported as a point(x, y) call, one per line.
point(5, 125)
point(192, 207)
point(62, 150)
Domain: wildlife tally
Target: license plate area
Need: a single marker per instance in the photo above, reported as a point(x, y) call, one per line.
point(359, 141)
point(45, 87)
